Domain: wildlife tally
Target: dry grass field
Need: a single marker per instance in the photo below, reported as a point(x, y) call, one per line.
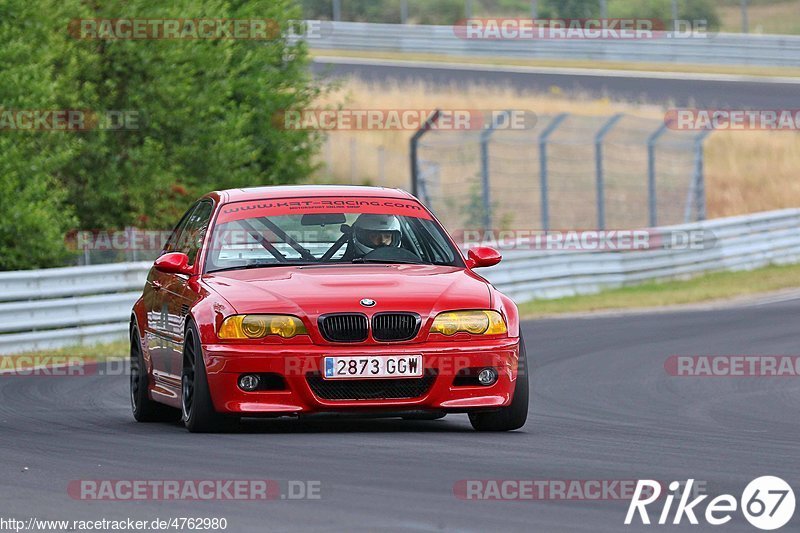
point(745, 171)
point(773, 17)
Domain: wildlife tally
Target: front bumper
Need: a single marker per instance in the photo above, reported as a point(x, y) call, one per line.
point(442, 360)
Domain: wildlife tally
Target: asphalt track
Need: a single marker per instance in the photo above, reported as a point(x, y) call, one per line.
point(603, 408)
point(704, 91)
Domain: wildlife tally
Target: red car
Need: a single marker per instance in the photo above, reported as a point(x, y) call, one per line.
point(290, 301)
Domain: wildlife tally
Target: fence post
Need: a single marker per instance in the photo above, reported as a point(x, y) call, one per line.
point(745, 22)
point(598, 164)
point(674, 15)
point(651, 172)
point(543, 137)
point(130, 236)
point(699, 174)
point(424, 181)
point(486, 136)
point(487, 206)
point(413, 149)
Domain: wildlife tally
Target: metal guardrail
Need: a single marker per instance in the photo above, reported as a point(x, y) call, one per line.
point(68, 306)
point(57, 307)
point(721, 48)
point(71, 281)
point(740, 243)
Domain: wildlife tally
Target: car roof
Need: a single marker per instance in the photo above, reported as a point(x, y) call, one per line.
point(306, 191)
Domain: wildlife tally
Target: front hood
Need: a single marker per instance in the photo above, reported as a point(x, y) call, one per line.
point(316, 290)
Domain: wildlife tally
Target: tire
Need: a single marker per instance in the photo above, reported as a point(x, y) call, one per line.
point(511, 417)
point(143, 407)
point(197, 409)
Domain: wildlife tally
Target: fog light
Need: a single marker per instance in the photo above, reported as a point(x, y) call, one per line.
point(249, 382)
point(487, 376)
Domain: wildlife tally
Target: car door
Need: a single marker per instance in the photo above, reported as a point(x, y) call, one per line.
point(160, 333)
point(180, 292)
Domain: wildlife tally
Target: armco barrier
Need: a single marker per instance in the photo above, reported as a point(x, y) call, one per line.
point(67, 306)
point(722, 48)
point(81, 305)
point(741, 243)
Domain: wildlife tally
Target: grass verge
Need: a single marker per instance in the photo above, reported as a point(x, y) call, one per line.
point(709, 287)
point(71, 355)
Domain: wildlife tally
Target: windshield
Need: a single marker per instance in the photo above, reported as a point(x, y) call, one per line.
point(316, 232)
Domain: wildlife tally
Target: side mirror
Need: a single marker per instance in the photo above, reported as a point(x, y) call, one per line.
point(483, 256)
point(173, 263)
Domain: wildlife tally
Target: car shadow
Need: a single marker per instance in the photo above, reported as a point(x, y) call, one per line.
point(454, 423)
point(352, 425)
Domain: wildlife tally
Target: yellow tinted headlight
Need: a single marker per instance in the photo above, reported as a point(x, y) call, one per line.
point(474, 322)
point(258, 326)
point(286, 326)
point(231, 328)
point(255, 326)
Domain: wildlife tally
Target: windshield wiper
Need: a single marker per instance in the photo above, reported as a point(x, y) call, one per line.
point(388, 261)
point(258, 265)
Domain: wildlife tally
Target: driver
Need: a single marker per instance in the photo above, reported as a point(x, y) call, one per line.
point(375, 231)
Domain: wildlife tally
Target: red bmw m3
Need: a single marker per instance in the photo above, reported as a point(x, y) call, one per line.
point(299, 300)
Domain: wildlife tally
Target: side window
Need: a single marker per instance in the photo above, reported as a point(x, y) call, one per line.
point(175, 238)
point(191, 238)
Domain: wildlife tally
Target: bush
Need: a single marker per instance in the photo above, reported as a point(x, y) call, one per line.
point(34, 220)
point(206, 116)
point(388, 11)
point(33, 213)
point(205, 112)
point(569, 9)
point(662, 10)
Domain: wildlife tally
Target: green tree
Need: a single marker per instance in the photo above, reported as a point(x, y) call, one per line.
point(33, 213)
point(569, 9)
point(388, 11)
point(205, 109)
point(662, 10)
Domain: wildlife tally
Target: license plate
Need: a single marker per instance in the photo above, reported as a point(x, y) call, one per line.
point(373, 366)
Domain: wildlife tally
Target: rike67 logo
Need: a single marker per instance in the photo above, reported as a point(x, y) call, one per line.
point(767, 503)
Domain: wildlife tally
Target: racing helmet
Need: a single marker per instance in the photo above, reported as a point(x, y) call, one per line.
point(375, 231)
